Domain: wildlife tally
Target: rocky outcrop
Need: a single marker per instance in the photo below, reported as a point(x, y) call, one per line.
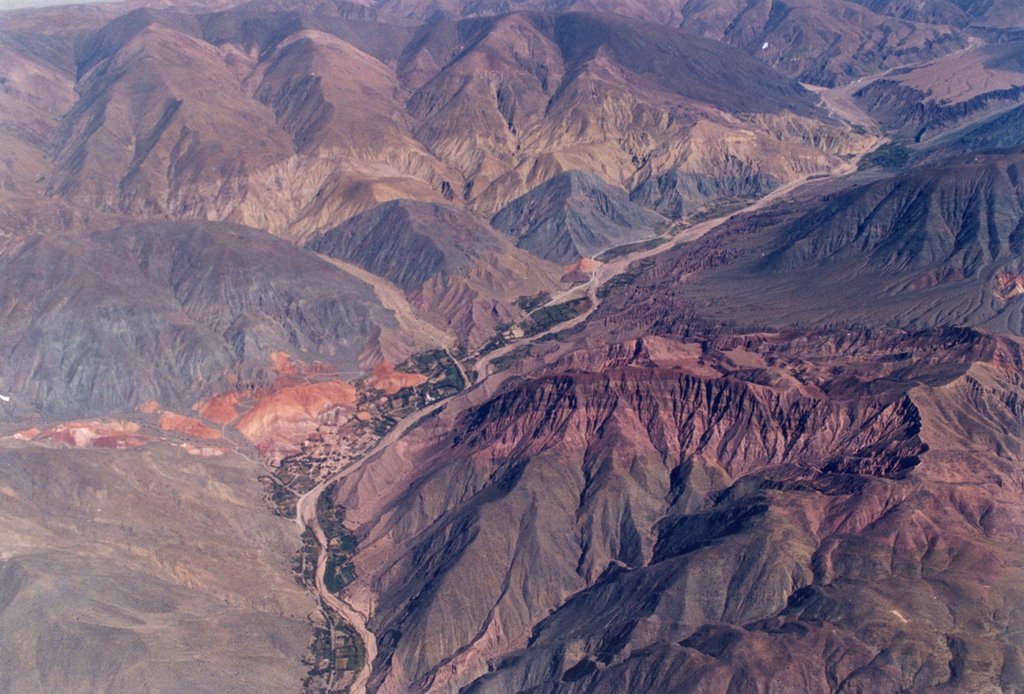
point(820, 42)
point(171, 421)
point(407, 243)
point(957, 217)
point(907, 110)
point(922, 101)
point(135, 142)
point(104, 433)
point(284, 417)
point(677, 193)
point(1003, 132)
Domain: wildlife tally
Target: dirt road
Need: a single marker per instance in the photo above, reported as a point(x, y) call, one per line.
point(306, 506)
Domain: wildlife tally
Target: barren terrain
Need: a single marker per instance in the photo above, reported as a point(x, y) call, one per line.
point(586, 346)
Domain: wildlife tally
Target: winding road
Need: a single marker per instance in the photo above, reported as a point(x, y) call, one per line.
point(306, 506)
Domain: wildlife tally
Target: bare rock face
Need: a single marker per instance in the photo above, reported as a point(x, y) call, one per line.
point(575, 215)
point(171, 311)
point(1001, 132)
point(406, 243)
point(606, 530)
point(954, 219)
point(922, 102)
point(826, 43)
point(306, 114)
point(773, 445)
point(694, 501)
point(933, 245)
point(450, 263)
point(285, 417)
point(877, 609)
point(677, 193)
point(512, 101)
point(819, 42)
point(134, 142)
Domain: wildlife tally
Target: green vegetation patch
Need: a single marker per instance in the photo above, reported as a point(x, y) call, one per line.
point(628, 248)
point(497, 340)
point(717, 209)
point(892, 155)
point(506, 360)
point(428, 363)
point(341, 544)
point(624, 279)
point(304, 564)
point(336, 649)
point(545, 318)
point(529, 303)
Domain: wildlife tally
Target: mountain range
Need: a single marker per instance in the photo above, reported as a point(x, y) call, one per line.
point(512, 346)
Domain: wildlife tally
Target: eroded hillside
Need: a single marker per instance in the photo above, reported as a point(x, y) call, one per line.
point(589, 346)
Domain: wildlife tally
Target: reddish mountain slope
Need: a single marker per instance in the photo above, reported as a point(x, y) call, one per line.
point(697, 521)
point(748, 446)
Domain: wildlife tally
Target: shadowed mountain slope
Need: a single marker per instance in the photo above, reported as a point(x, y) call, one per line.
point(834, 40)
point(512, 101)
point(1002, 132)
point(141, 140)
point(922, 102)
point(170, 311)
point(448, 262)
point(701, 508)
point(778, 447)
point(263, 24)
point(308, 113)
point(714, 502)
point(575, 215)
point(934, 245)
point(826, 42)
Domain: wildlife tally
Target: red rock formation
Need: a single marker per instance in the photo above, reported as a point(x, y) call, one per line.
point(770, 458)
point(283, 418)
point(602, 529)
point(169, 421)
point(579, 271)
point(386, 379)
point(282, 363)
point(220, 409)
point(108, 433)
point(204, 451)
